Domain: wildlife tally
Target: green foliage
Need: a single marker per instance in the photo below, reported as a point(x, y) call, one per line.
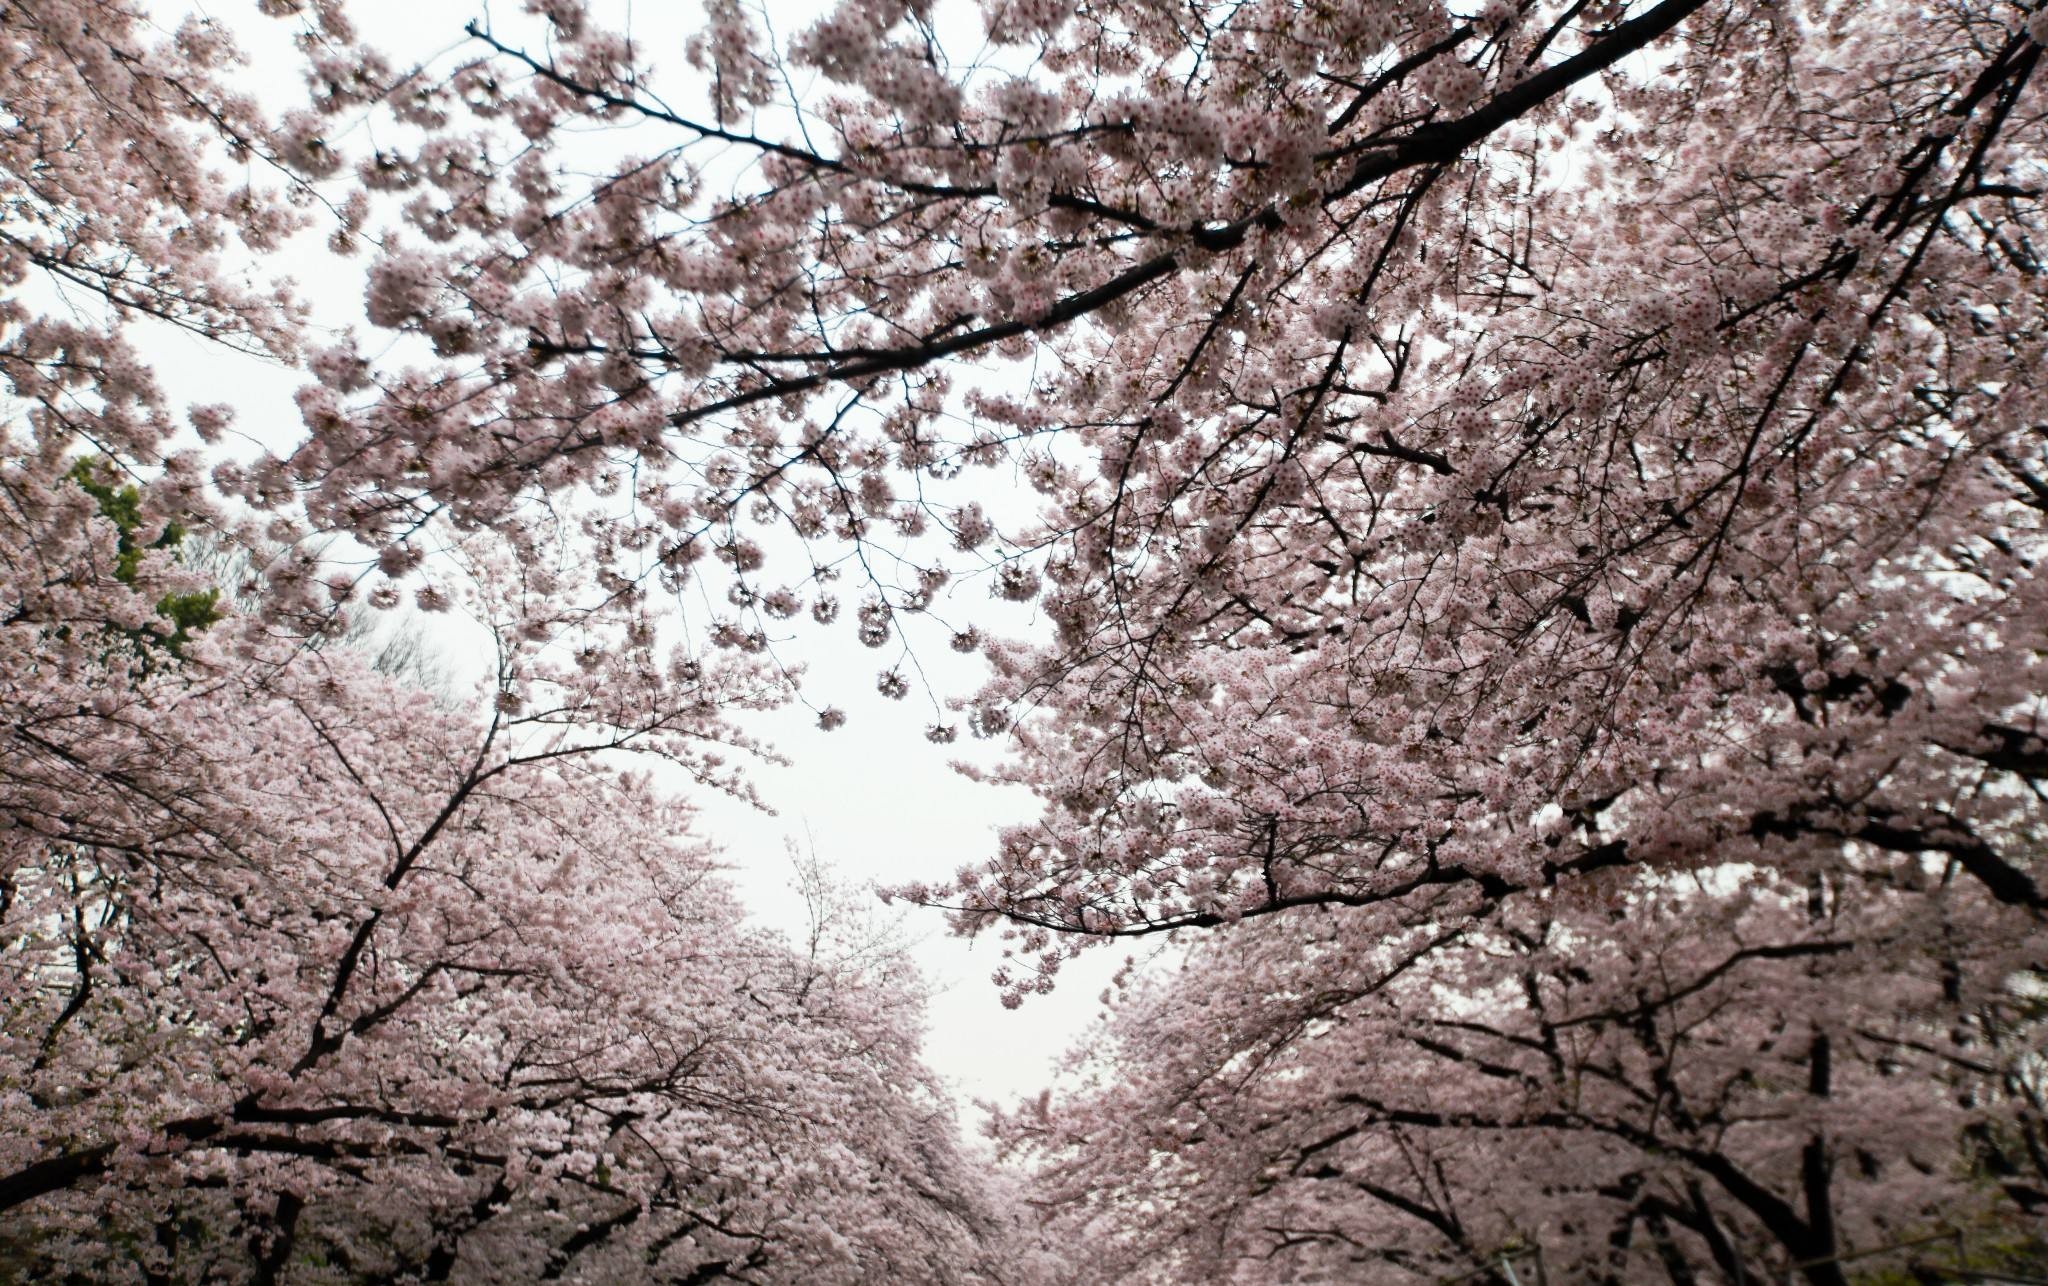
point(186, 613)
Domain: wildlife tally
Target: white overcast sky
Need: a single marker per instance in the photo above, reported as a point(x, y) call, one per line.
point(877, 801)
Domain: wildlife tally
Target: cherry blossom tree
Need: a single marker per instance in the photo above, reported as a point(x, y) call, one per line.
point(306, 975)
point(1755, 1082)
point(1475, 446)
point(1538, 537)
